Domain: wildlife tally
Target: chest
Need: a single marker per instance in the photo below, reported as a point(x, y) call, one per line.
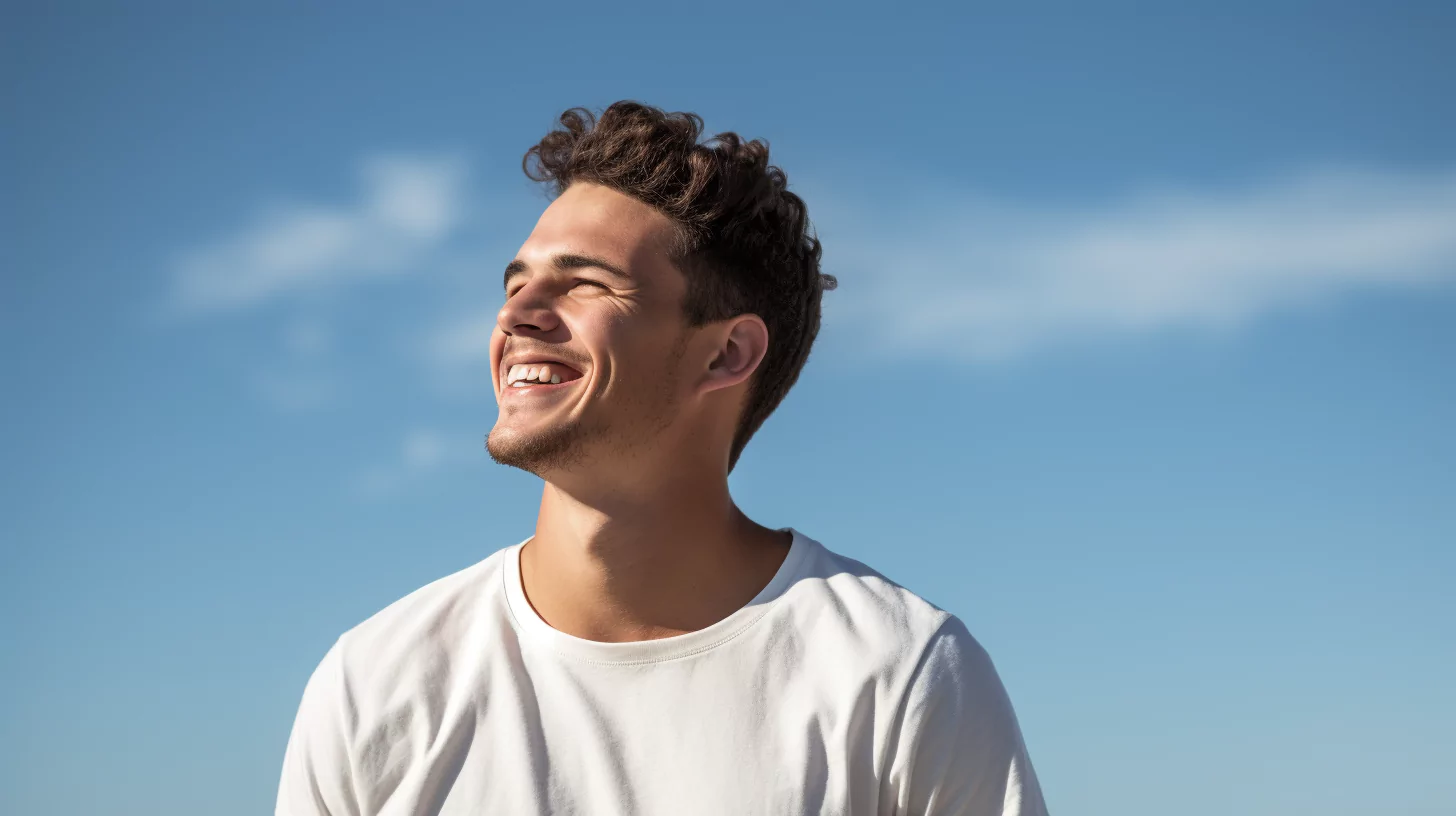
point(697, 738)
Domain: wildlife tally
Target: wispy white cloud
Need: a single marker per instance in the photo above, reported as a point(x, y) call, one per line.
point(407, 206)
point(973, 279)
point(955, 273)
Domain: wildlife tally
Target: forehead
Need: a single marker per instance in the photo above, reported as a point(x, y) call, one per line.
point(592, 219)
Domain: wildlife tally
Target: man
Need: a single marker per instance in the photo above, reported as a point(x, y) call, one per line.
point(651, 649)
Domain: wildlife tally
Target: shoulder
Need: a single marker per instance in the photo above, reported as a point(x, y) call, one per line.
point(420, 630)
point(874, 614)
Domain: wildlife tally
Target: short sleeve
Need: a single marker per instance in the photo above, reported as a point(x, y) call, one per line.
point(317, 778)
point(959, 749)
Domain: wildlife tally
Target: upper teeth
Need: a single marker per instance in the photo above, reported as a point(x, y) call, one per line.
point(531, 373)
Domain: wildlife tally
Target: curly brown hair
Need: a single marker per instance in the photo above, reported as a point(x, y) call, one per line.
point(744, 243)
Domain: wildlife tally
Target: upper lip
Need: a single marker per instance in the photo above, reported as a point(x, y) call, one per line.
point(526, 358)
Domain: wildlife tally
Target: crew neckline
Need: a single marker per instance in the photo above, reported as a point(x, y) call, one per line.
point(533, 628)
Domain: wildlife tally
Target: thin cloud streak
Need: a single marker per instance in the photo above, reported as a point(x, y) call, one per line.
point(985, 283)
point(408, 206)
point(967, 277)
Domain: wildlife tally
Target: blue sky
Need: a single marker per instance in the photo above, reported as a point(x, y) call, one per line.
point(1140, 363)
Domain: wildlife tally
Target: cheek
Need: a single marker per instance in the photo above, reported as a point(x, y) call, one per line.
point(652, 369)
point(636, 348)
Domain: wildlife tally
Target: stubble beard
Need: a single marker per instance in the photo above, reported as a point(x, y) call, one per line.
point(576, 443)
point(553, 448)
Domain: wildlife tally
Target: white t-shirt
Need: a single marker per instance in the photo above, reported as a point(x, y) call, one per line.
point(835, 691)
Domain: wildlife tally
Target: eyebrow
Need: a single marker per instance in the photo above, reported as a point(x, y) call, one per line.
point(564, 262)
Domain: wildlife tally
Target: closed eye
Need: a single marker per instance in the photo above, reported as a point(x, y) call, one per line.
point(578, 282)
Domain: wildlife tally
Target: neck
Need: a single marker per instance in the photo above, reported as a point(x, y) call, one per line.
point(670, 557)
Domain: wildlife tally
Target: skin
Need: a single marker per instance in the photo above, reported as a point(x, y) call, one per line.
point(637, 537)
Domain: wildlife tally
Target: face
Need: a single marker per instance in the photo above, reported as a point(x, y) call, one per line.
point(587, 351)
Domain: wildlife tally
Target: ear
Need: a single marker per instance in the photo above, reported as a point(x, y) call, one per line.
point(742, 343)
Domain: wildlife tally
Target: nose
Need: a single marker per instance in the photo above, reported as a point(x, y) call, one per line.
point(529, 312)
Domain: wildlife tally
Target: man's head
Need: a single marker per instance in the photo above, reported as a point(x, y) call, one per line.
point(672, 287)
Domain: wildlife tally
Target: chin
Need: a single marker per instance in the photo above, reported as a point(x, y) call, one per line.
point(534, 452)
